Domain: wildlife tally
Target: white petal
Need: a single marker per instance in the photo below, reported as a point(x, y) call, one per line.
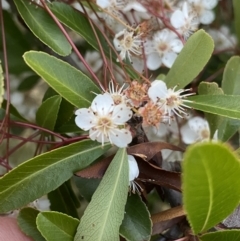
point(102, 104)
point(117, 44)
point(176, 45)
point(133, 168)
point(188, 135)
point(158, 89)
point(185, 10)
point(120, 137)
point(209, 4)
point(135, 6)
point(121, 114)
point(85, 119)
point(98, 136)
point(207, 17)
point(177, 19)
point(154, 61)
point(169, 58)
point(197, 124)
point(103, 3)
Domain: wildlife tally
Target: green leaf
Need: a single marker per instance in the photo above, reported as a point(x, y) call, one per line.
point(224, 105)
point(63, 200)
point(46, 172)
point(136, 225)
point(28, 83)
point(69, 82)
point(14, 114)
point(211, 183)
point(231, 86)
point(191, 60)
point(17, 42)
point(104, 214)
point(27, 222)
point(57, 226)
point(1, 85)
point(227, 235)
point(47, 113)
point(231, 77)
point(236, 9)
point(43, 27)
point(86, 186)
point(65, 113)
point(211, 89)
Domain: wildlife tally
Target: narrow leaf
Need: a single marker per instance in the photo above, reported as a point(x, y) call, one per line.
point(69, 82)
point(47, 113)
point(191, 60)
point(211, 183)
point(63, 199)
point(104, 214)
point(227, 235)
point(211, 89)
point(231, 86)
point(136, 225)
point(46, 172)
point(231, 77)
point(1, 85)
point(57, 226)
point(224, 105)
point(27, 222)
point(43, 27)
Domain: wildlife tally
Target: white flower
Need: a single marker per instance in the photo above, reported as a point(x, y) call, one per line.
point(185, 21)
point(116, 94)
point(204, 10)
point(162, 49)
point(134, 5)
point(195, 130)
point(170, 100)
point(106, 121)
point(118, 4)
point(223, 39)
point(133, 173)
point(127, 43)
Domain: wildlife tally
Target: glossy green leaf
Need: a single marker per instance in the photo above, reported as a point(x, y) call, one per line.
point(231, 77)
point(224, 105)
point(1, 85)
point(47, 113)
point(86, 186)
point(28, 83)
point(236, 9)
point(17, 41)
point(43, 27)
point(104, 214)
point(191, 60)
point(211, 89)
point(211, 183)
point(14, 114)
point(63, 200)
point(227, 235)
point(46, 172)
point(27, 222)
point(231, 86)
point(57, 226)
point(66, 110)
point(69, 82)
point(76, 21)
point(136, 225)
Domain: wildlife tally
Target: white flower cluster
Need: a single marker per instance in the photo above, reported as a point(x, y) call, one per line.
point(161, 40)
point(106, 118)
